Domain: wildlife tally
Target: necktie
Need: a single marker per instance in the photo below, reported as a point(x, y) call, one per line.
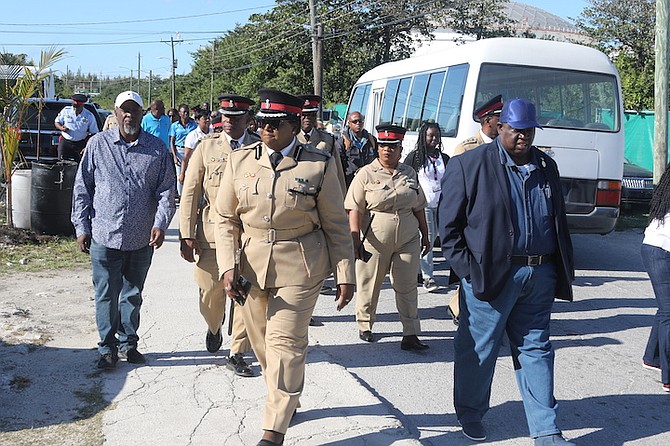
point(234, 144)
point(306, 136)
point(275, 159)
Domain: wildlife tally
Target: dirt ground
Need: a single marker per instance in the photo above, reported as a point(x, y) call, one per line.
point(50, 389)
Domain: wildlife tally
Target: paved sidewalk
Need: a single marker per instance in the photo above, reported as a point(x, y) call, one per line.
point(186, 396)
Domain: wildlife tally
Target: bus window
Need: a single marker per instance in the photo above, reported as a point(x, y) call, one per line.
point(401, 101)
point(432, 96)
point(359, 99)
point(564, 98)
point(416, 100)
point(450, 102)
point(388, 103)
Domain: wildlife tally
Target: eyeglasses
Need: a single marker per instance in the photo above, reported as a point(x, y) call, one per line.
point(357, 121)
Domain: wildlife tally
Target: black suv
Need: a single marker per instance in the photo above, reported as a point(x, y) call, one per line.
point(48, 134)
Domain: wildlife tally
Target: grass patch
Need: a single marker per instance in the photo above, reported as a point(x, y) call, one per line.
point(56, 253)
point(93, 401)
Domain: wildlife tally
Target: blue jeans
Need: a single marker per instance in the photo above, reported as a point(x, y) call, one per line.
point(657, 263)
point(118, 280)
point(523, 311)
point(426, 262)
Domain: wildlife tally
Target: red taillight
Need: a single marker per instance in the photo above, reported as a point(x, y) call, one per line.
point(608, 193)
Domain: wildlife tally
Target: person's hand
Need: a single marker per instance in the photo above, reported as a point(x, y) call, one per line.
point(182, 175)
point(229, 286)
point(84, 242)
point(65, 129)
point(188, 247)
point(157, 237)
point(425, 246)
point(345, 292)
point(176, 161)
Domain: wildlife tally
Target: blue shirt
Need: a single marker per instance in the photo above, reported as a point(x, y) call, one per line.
point(123, 190)
point(532, 209)
point(179, 131)
point(79, 125)
point(158, 127)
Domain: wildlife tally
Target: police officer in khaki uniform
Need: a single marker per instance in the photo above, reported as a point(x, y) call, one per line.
point(281, 204)
point(488, 115)
point(318, 138)
point(386, 207)
point(196, 225)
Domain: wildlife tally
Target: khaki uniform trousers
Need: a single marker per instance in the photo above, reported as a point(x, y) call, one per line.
point(278, 322)
point(393, 241)
point(213, 301)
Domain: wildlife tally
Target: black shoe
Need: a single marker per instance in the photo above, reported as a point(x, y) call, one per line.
point(411, 342)
point(268, 443)
point(474, 430)
point(213, 341)
point(237, 364)
point(366, 336)
point(107, 361)
point(132, 356)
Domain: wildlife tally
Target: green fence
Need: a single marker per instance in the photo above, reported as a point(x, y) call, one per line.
point(639, 131)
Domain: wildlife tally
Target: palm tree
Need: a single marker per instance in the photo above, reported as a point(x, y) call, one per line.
point(21, 84)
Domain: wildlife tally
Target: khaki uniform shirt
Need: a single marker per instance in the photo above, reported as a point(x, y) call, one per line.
point(374, 188)
point(469, 144)
point(289, 234)
point(323, 140)
point(202, 181)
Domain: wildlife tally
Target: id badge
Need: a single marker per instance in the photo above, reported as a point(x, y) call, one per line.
point(437, 188)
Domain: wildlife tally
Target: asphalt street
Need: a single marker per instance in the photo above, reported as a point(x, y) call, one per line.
point(376, 394)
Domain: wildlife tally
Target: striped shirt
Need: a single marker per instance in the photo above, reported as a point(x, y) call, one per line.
point(123, 190)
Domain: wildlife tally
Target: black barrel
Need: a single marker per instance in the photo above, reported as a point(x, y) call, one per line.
point(51, 197)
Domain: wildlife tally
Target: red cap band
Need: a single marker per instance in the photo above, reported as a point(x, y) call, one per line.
point(232, 104)
point(267, 105)
point(386, 135)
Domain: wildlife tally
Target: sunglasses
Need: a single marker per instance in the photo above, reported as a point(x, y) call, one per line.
point(357, 121)
point(274, 123)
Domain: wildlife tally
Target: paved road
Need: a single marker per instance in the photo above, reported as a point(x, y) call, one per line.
point(376, 394)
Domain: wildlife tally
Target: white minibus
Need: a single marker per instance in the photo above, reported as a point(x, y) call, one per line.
point(576, 90)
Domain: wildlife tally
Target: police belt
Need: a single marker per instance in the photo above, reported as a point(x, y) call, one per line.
point(533, 260)
point(278, 235)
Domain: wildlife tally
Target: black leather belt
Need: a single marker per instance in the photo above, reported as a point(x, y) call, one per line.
point(532, 260)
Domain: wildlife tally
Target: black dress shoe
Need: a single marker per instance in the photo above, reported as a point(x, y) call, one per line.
point(237, 364)
point(213, 341)
point(366, 336)
point(132, 356)
point(268, 443)
point(411, 342)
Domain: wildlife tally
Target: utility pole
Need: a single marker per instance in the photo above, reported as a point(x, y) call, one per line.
point(317, 52)
point(211, 80)
point(661, 91)
point(138, 74)
point(130, 87)
point(150, 76)
point(174, 67)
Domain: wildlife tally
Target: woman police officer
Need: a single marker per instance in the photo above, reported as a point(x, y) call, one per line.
point(385, 199)
point(281, 203)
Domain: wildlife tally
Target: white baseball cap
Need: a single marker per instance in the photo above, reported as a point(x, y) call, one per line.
point(128, 96)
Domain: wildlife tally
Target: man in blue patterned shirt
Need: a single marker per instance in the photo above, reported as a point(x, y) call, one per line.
point(123, 201)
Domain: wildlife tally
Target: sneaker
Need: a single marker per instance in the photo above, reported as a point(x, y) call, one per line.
point(666, 387)
point(107, 361)
point(132, 356)
point(430, 285)
point(552, 440)
point(474, 430)
point(646, 365)
point(213, 341)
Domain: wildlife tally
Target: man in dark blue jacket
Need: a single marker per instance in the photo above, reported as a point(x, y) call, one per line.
point(505, 235)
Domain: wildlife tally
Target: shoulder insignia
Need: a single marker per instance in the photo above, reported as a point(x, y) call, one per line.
point(311, 149)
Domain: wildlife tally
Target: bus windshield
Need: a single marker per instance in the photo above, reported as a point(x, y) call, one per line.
point(564, 98)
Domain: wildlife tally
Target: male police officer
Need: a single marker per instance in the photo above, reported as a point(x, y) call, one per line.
point(203, 179)
point(75, 124)
point(488, 115)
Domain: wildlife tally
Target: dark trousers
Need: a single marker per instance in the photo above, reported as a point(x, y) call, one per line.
point(657, 263)
point(70, 150)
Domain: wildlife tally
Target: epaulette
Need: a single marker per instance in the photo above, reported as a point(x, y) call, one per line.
point(311, 149)
point(470, 140)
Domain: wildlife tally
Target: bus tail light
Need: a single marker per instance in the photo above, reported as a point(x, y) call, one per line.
point(608, 193)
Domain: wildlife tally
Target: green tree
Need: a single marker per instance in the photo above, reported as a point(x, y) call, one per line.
point(14, 59)
point(274, 49)
point(481, 19)
point(625, 31)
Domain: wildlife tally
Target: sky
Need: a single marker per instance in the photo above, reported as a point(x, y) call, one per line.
point(106, 37)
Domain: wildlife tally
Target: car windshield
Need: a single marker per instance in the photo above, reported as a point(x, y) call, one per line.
point(47, 118)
